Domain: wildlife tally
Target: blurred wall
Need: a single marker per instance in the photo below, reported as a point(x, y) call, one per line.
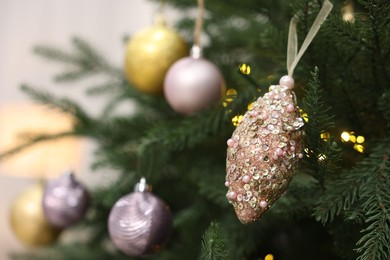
point(24, 24)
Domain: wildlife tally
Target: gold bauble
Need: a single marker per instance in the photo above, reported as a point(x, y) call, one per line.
point(28, 220)
point(149, 55)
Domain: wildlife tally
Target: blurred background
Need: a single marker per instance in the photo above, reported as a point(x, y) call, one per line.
point(24, 24)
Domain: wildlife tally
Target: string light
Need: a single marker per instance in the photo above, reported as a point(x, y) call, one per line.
point(345, 136)
point(325, 136)
point(348, 13)
point(245, 69)
point(321, 157)
point(231, 93)
point(269, 257)
point(250, 105)
point(359, 148)
point(352, 137)
point(357, 141)
point(304, 115)
point(237, 120)
point(308, 152)
point(360, 139)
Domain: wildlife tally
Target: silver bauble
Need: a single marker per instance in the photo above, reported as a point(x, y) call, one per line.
point(193, 84)
point(65, 201)
point(140, 223)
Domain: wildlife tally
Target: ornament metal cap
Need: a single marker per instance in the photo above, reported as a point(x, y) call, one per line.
point(196, 51)
point(142, 186)
point(159, 20)
point(68, 178)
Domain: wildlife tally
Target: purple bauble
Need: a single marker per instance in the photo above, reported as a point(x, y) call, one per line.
point(193, 84)
point(65, 201)
point(140, 223)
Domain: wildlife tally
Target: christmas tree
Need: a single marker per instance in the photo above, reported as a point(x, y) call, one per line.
point(337, 205)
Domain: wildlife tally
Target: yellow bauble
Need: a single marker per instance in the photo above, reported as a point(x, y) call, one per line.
point(28, 220)
point(149, 55)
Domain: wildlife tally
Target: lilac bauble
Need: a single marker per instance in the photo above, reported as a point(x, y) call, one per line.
point(65, 201)
point(140, 223)
point(193, 84)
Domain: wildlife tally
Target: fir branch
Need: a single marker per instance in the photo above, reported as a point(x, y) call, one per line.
point(321, 155)
point(33, 140)
point(377, 9)
point(375, 244)
point(56, 55)
point(84, 62)
point(177, 135)
point(303, 193)
point(92, 59)
point(212, 189)
point(104, 88)
point(214, 244)
point(368, 185)
point(73, 75)
point(189, 215)
point(384, 105)
point(62, 104)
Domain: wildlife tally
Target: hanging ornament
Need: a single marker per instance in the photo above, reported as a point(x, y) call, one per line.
point(265, 147)
point(149, 55)
point(65, 201)
point(28, 220)
point(140, 223)
point(194, 83)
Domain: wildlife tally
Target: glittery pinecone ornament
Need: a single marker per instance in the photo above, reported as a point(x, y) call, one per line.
point(263, 152)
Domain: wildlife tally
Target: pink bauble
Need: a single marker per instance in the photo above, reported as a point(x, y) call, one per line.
point(193, 84)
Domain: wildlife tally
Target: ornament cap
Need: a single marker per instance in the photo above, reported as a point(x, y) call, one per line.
point(196, 52)
point(159, 20)
point(142, 186)
point(287, 81)
point(68, 178)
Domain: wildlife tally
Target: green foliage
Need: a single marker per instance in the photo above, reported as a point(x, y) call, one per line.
point(84, 62)
point(366, 199)
point(214, 244)
point(384, 105)
point(321, 154)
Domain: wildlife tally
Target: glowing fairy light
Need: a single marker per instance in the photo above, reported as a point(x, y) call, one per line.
point(357, 141)
point(321, 157)
point(359, 148)
point(308, 152)
point(360, 139)
point(345, 136)
point(348, 13)
point(304, 115)
point(269, 257)
point(237, 120)
point(325, 136)
point(231, 93)
point(250, 106)
point(352, 137)
point(245, 69)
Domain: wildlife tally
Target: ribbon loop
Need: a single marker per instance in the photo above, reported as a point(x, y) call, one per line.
point(293, 55)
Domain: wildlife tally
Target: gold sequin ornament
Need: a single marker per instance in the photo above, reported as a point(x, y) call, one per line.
point(149, 55)
point(263, 152)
